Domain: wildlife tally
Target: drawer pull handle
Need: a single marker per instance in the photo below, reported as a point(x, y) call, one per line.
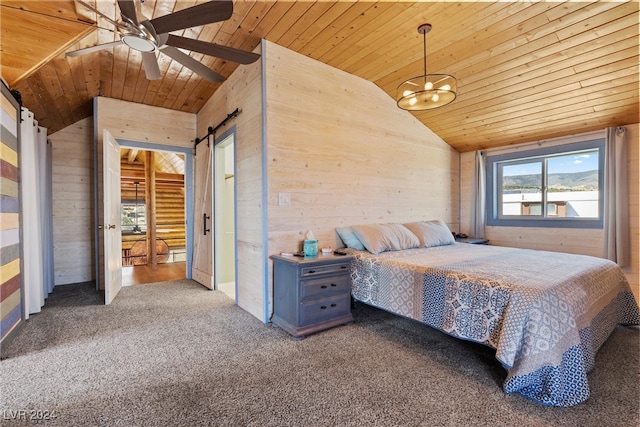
point(311, 271)
point(324, 286)
point(322, 307)
point(343, 266)
point(333, 285)
point(333, 305)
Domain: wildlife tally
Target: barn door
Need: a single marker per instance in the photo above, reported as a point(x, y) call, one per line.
point(202, 266)
point(111, 228)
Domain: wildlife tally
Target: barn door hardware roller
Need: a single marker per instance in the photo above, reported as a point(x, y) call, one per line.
point(212, 130)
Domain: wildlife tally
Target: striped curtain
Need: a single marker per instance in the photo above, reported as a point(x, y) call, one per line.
point(11, 297)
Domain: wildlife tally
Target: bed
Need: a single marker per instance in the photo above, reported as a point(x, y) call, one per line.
point(545, 313)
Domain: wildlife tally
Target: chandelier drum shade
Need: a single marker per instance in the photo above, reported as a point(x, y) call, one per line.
point(427, 91)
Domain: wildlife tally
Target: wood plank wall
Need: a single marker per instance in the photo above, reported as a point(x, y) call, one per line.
point(243, 90)
point(11, 292)
point(576, 241)
point(72, 188)
point(343, 153)
point(139, 123)
point(73, 191)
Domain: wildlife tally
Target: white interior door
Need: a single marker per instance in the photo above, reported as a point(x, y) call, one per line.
point(112, 232)
point(202, 267)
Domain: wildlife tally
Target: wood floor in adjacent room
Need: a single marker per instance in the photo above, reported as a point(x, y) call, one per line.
point(142, 274)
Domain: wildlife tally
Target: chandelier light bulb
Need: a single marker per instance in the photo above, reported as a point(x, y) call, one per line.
point(435, 97)
point(413, 100)
point(428, 86)
point(445, 87)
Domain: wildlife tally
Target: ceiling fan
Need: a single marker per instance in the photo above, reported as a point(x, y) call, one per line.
point(151, 36)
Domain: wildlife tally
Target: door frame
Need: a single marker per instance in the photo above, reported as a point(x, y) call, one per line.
point(218, 140)
point(188, 214)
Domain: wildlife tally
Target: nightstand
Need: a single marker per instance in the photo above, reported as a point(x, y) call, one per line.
point(472, 240)
point(311, 294)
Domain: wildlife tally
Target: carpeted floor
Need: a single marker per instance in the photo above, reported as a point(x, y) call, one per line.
point(176, 354)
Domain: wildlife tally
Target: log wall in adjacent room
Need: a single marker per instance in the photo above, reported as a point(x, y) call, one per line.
point(170, 204)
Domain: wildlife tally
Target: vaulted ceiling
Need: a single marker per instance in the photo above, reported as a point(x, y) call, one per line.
point(526, 70)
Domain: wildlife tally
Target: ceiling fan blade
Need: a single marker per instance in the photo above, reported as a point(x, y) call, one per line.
point(93, 9)
point(195, 66)
point(151, 68)
point(201, 14)
point(93, 48)
point(212, 49)
point(128, 10)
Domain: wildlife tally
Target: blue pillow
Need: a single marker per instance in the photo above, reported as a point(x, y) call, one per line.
point(349, 238)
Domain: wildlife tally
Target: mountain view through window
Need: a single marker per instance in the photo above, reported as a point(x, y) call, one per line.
point(555, 186)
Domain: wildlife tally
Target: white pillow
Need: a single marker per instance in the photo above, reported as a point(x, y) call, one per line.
point(431, 233)
point(378, 238)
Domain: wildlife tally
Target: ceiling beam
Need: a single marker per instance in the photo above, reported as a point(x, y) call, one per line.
point(133, 153)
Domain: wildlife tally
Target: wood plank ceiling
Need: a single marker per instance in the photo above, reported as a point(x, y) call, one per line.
point(526, 70)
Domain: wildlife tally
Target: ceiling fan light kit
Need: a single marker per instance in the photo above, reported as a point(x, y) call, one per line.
point(151, 35)
point(427, 91)
point(138, 43)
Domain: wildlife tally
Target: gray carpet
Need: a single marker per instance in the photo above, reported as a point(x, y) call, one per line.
point(176, 354)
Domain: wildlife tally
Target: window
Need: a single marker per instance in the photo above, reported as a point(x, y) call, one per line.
point(560, 186)
point(133, 217)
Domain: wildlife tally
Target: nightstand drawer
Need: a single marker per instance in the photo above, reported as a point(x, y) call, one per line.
point(325, 310)
point(323, 287)
point(318, 270)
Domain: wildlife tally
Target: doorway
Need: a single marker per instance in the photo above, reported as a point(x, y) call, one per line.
point(224, 217)
point(152, 216)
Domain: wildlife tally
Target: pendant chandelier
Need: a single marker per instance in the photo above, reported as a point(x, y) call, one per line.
point(428, 91)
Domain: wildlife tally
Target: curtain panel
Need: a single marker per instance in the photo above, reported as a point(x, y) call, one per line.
point(616, 204)
point(478, 197)
point(36, 213)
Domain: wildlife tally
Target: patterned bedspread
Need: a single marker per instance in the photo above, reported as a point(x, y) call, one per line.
point(545, 313)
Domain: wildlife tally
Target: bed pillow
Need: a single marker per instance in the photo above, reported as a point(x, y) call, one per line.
point(378, 238)
point(431, 233)
point(349, 238)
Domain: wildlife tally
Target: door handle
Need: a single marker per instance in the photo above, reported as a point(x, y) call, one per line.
point(108, 226)
point(205, 218)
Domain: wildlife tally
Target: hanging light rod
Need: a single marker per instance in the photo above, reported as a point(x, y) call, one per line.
point(427, 91)
point(136, 228)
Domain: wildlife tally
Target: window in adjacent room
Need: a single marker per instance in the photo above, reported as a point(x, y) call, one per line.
point(559, 186)
point(134, 217)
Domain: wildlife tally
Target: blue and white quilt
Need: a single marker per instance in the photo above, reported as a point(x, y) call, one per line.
point(545, 313)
